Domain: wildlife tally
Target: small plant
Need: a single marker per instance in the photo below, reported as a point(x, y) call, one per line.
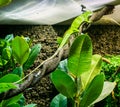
point(82, 85)
point(112, 73)
point(16, 57)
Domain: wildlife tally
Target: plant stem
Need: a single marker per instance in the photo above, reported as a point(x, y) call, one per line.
point(77, 100)
point(78, 86)
point(70, 102)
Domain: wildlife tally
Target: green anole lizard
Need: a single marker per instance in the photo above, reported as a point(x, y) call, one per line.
point(74, 28)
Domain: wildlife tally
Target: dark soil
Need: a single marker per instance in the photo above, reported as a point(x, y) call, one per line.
point(106, 40)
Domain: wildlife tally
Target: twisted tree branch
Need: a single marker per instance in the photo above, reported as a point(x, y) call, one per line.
point(50, 64)
point(98, 15)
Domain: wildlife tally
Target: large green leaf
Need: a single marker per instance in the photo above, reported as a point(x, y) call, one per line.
point(107, 89)
point(9, 78)
point(63, 83)
point(79, 60)
point(93, 91)
point(4, 2)
point(14, 105)
point(20, 49)
point(9, 102)
point(6, 86)
point(95, 68)
point(59, 101)
point(6, 82)
point(33, 55)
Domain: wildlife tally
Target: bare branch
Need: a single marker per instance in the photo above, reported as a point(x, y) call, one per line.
point(98, 15)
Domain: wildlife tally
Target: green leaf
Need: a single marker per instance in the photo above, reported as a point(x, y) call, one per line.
point(11, 101)
point(33, 55)
point(4, 2)
point(18, 71)
point(63, 66)
point(9, 78)
point(6, 86)
point(9, 37)
point(95, 69)
point(2, 44)
point(93, 91)
point(79, 60)
point(21, 101)
point(63, 83)
point(59, 101)
point(6, 53)
point(30, 105)
point(107, 89)
point(14, 105)
point(3, 62)
point(20, 49)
